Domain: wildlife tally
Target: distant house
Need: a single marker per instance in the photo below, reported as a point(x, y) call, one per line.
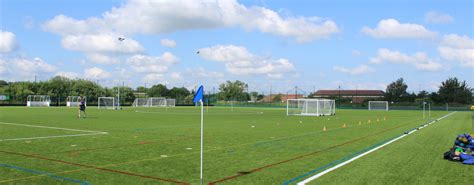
point(357, 96)
point(281, 97)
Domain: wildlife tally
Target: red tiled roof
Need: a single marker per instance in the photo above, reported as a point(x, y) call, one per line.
point(349, 93)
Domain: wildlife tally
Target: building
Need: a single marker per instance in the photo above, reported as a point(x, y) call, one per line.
point(357, 96)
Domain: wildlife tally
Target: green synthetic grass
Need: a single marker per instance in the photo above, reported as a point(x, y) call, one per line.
point(415, 159)
point(157, 146)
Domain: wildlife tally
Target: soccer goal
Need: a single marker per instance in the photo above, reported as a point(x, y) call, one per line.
point(170, 102)
point(378, 105)
point(73, 101)
point(38, 101)
point(107, 103)
point(156, 102)
point(310, 107)
point(140, 102)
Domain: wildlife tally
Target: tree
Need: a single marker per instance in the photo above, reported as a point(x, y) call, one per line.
point(159, 90)
point(3, 83)
point(422, 94)
point(178, 93)
point(396, 91)
point(454, 91)
point(277, 98)
point(233, 91)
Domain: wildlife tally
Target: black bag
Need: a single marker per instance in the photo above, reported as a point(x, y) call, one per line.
point(449, 155)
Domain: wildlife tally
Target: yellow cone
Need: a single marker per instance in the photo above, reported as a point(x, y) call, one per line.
point(344, 126)
point(368, 121)
point(384, 118)
point(360, 122)
point(324, 129)
point(378, 120)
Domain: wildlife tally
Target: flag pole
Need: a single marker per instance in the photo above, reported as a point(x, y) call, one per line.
point(202, 136)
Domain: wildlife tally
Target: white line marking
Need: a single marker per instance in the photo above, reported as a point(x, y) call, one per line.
point(56, 128)
point(363, 154)
point(48, 137)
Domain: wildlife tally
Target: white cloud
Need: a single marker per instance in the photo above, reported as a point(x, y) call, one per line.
point(203, 73)
point(101, 58)
point(168, 43)
point(23, 68)
point(156, 17)
point(239, 61)
point(457, 48)
point(153, 78)
point(70, 75)
point(96, 73)
point(391, 28)
point(361, 69)
point(420, 60)
point(7, 42)
point(152, 64)
point(106, 43)
point(3, 67)
point(438, 18)
point(35, 66)
point(176, 76)
point(64, 25)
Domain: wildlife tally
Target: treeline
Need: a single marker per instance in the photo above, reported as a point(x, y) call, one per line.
point(59, 88)
point(452, 91)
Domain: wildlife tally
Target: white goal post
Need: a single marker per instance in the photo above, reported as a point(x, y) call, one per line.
point(107, 103)
point(378, 105)
point(154, 102)
point(73, 101)
point(38, 101)
point(310, 107)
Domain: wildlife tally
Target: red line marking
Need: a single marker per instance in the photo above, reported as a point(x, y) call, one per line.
point(97, 168)
point(299, 157)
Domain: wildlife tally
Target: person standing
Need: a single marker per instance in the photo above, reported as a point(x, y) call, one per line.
point(82, 107)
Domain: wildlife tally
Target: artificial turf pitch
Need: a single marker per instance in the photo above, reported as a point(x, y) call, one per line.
point(242, 146)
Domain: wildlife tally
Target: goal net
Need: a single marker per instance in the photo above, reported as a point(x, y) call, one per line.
point(140, 102)
point(170, 102)
point(38, 101)
point(73, 101)
point(107, 103)
point(311, 107)
point(154, 102)
point(378, 105)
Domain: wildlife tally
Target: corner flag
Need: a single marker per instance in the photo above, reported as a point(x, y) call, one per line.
point(199, 95)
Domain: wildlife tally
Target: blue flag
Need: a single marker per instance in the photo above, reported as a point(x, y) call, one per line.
point(198, 97)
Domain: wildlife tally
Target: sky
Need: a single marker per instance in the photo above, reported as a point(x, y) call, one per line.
point(273, 45)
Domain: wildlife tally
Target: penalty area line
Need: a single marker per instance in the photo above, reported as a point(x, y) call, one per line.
point(368, 152)
point(48, 127)
point(49, 137)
